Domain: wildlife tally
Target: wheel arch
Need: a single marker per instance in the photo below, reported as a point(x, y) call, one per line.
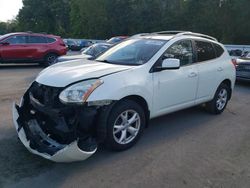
point(104, 112)
point(50, 52)
point(229, 84)
point(142, 102)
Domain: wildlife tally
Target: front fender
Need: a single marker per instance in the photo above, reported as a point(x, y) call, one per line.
point(120, 85)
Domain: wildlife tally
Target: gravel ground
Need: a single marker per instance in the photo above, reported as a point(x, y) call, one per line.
point(189, 148)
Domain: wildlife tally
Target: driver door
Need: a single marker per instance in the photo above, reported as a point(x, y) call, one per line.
point(176, 89)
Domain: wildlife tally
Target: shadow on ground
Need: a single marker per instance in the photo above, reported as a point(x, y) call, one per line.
point(21, 164)
point(19, 66)
point(17, 163)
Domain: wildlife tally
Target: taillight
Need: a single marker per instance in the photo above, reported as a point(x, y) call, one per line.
point(62, 44)
point(234, 62)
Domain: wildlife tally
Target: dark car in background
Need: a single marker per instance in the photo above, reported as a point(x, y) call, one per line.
point(90, 53)
point(77, 44)
point(117, 39)
point(31, 47)
point(243, 68)
point(72, 44)
point(85, 43)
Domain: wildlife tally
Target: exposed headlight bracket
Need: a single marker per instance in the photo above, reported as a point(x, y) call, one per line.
point(100, 103)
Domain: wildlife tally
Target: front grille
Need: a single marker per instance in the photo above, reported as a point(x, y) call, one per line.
point(46, 95)
point(243, 67)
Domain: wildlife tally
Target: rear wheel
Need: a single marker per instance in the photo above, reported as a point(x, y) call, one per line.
point(50, 59)
point(125, 125)
point(220, 100)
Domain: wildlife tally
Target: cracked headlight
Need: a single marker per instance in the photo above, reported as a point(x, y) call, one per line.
point(78, 93)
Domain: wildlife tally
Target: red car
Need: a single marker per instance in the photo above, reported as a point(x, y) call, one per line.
point(31, 47)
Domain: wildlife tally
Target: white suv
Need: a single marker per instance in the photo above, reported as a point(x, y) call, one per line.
point(74, 106)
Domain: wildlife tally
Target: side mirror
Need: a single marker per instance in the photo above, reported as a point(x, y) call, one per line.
point(4, 43)
point(170, 63)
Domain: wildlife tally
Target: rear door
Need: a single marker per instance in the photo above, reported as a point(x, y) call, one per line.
point(209, 69)
point(15, 50)
point(36, 47)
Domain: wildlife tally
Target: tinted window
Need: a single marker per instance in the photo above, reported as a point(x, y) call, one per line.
point(50, 40)
point(16, 40)
point(181, 50)
point(219, 50)
point(205, 51)
point(36, 40)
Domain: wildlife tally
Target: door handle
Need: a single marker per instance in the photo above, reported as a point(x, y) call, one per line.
point(192, 74)
point(220, 69)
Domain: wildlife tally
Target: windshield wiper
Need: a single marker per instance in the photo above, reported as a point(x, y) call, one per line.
point(117, 63)
point(106, 61)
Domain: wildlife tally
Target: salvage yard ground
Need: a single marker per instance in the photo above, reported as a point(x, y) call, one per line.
point(190, 148)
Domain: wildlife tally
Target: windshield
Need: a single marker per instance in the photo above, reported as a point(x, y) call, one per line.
point(89, 51)
point(95, 50)
point(132, 52)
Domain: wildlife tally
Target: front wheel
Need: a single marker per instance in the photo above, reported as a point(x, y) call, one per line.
point(125, 125)
point(220, 100)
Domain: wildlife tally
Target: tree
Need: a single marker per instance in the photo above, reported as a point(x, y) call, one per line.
point(226, 20)
point(41, 16)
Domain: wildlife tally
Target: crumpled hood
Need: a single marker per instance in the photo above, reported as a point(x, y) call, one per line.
point(63, 74)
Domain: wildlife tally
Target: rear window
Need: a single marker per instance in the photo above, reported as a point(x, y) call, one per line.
point(205, 51)
point(36, 40)
point(218, 49)
point(50, 40)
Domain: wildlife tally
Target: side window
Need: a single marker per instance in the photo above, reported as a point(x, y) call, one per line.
point(36, 40)
point(218, 49)
point(50, 40)
point(181, 50)
point(205, 51)
point(16, 40)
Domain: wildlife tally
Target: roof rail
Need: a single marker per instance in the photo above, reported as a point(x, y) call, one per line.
point(180, 33)
point(176, 34)
point(169, 32)
point(31, 32)
point(139, 35)
point(196, 34)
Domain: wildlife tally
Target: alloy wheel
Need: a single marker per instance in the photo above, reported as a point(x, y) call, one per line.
point(222, 99)
point(126, 127)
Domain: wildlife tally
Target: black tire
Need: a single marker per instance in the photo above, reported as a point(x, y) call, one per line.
point(121, 107)
point(213, 107)
point(49, 59)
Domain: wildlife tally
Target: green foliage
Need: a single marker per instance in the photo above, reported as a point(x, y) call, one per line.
point(45, 16)
point(8, 27)
point(226, 20)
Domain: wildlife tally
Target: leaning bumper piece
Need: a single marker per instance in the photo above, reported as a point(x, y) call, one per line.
point(68, 153)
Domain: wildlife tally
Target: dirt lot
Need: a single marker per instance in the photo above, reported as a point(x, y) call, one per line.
point(186, 149)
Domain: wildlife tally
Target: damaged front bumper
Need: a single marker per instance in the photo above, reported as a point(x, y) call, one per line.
point(65, 153)
point(35, 133)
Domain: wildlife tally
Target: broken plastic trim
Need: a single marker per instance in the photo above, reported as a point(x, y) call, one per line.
point(64, 153)
point(100, 103)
